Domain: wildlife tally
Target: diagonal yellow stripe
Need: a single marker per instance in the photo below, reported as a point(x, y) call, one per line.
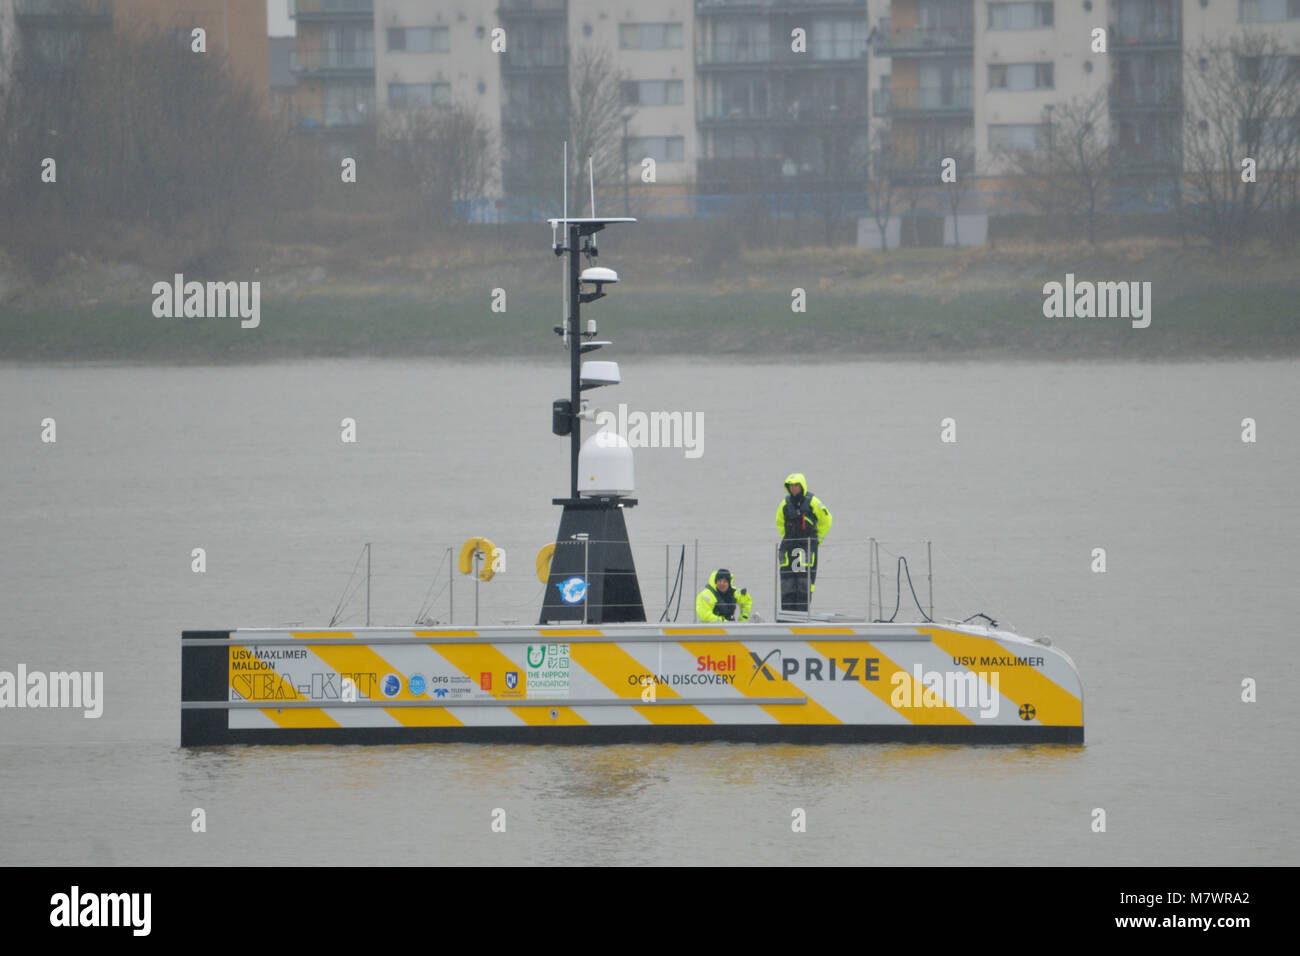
point(612, 666)
point(361, 659)
point(809, 713)
point(1053, 704)
point(475, 660)
point(283, 690)
point(885, 687)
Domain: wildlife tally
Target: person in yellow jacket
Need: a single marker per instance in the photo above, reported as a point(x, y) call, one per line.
point(719, 601)
point(803, 522)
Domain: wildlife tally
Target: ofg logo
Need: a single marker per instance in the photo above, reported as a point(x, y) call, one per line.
point(814, 668)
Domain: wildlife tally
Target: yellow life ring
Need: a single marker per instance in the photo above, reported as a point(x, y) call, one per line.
point(544, 562)
point(489, 550)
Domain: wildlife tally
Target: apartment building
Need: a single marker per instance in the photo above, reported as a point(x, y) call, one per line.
point(783, 94)
point(334, 62)
point(55, 29)
point(972, 78)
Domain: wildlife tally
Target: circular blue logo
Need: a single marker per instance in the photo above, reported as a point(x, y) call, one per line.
point(391, 685)
point(416, 684)
point(573, 590)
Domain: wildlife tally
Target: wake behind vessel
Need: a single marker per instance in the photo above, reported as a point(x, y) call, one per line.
point(592, 670)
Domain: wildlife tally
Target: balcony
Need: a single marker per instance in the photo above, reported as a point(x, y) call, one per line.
point(322, 62)
point(925, 167)
point(841, 52)
point(332, 9)
point(533, 8)
point(1146, 36)
point(706, 8)
point(931, 101)
point(1145, 97)
point(518, 58)
point(925, 41)
point(64, 12)
point(794, 113)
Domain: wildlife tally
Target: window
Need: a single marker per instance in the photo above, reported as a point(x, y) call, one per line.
point(419, 40)
point(404, 95)
point(662, 149)
point(1272, 131)
point(346, 104)
point(1268, 69)
point(650, 36)
point(1267, 11)
point(1020, 76)
point(839, 39)
point(652, 93)
point(1020, 16)
point(1016, 136)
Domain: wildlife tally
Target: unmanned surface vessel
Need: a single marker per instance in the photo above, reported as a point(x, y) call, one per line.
point(592, 670)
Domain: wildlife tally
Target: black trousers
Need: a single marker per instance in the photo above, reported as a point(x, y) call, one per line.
point(798, 577)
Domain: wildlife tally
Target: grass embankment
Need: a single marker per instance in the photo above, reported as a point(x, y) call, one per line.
point(937, 303)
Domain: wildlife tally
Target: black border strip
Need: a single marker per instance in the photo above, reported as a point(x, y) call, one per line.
point(648, 733)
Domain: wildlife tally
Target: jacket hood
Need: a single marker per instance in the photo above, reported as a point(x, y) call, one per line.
point(797, 478)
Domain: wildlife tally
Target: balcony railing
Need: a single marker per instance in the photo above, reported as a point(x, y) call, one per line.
point(927, 166)
point(535, 58)
point(843, 51)
point(924, 40)
point(1127, 35)
point(84, 11)
point(802, 111)
point(938, 99)
point(331, 61)
point(329, 9)
point(533, 6)
point(776, 6)
point(1145, 97)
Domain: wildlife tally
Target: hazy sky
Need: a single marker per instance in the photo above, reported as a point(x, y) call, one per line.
point(278, 23)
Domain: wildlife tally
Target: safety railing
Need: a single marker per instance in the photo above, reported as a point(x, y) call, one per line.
point(847, 580)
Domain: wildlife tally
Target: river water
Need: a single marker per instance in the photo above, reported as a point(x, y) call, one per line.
point(1050, 462)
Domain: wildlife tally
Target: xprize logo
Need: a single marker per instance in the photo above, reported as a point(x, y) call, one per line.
point(814, 668)
point(102, 909)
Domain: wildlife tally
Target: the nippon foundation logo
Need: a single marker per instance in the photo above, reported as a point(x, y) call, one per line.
point(41, 690)
point(208, 300)
point(1099, 300)
point(656, 429)
point(77, 909)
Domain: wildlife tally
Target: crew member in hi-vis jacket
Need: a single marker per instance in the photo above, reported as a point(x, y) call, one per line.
point(803, 522)
point(719, 601)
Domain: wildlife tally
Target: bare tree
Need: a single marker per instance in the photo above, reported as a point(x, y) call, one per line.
point(596, 115)
point(443, 155)
point(1242, 102)
point(882, 178)
point(1070, 174)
